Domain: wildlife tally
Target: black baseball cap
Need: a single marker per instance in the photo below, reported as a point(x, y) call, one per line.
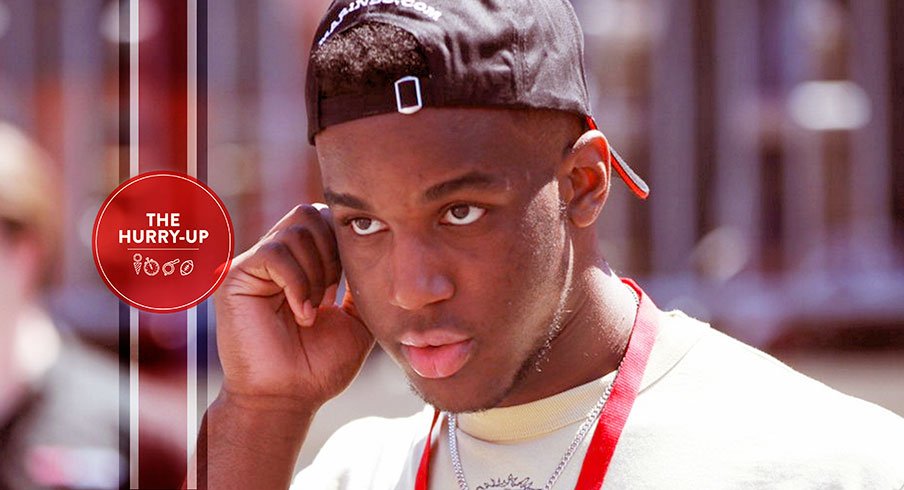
point(497, 53)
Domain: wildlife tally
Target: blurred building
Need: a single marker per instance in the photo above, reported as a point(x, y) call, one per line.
point(771, 132)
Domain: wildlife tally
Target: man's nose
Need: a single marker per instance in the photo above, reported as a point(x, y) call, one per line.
point(418, 275)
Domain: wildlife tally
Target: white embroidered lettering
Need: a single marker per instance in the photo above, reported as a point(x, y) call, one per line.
point(433, 13)
point(427, 10)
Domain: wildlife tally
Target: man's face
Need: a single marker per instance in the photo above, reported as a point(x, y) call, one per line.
point(452, 238)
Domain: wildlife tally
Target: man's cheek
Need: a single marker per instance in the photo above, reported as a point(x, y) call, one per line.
point(363, 295)
point(361, 272)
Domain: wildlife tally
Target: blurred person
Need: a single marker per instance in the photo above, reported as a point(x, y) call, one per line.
point(58, 396)
point(464, 175)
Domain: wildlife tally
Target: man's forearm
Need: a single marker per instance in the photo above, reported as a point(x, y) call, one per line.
point(251, 444)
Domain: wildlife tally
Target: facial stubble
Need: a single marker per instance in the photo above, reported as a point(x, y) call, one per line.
point(539, 353)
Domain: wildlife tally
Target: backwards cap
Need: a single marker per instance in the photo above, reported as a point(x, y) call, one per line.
point(497, 53)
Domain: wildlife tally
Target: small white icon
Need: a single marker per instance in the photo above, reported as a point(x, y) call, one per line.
point(170, 267)
point(151, 266)
point(187, 267)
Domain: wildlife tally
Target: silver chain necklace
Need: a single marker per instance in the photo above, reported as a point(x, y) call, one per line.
point(592, 415)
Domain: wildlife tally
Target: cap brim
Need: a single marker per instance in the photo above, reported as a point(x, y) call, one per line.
point(635, 183)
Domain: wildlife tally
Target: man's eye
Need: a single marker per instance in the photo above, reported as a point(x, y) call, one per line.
point(366, 226)
point(463, 214)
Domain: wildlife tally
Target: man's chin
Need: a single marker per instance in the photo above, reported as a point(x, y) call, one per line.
point(470, 390)
point(455, 400)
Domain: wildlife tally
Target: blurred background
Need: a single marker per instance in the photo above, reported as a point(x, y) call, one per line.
point(770, 131)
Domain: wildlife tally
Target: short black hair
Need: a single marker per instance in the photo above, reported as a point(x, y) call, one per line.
point(367, 56)
point(373, 55)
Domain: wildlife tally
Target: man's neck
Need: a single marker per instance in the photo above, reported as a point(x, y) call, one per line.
point(594, 331)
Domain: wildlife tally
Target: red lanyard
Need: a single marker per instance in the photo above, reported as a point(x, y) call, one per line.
point(615, 412)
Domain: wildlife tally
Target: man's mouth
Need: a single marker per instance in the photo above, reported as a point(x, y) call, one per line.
point(436, 354)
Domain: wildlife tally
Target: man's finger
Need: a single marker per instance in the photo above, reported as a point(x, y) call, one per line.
point(324, 234)
point(274, 261)
point(317, 218)
point(300, 214)
point(301, 242)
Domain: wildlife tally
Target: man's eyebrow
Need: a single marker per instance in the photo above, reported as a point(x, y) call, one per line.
point(347, 200)
point(474, 179)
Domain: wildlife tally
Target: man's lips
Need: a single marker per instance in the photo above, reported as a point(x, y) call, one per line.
point(436, 354)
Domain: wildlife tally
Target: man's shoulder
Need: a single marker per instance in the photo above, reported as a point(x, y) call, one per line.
point(366, 451)
point(727, 371)
point(739, 403)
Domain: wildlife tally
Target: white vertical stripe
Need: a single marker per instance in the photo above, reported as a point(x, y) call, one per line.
point(133, 397)
point(192, 109)
point(133, 88)
point(191, 396)
point(133, 313)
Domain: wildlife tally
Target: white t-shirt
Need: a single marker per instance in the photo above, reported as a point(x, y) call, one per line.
point(711, 413)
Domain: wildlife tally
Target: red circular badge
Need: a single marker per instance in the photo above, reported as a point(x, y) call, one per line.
point(163, 242)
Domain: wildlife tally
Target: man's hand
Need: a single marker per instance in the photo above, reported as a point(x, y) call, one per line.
point(273, 339)
point(286, 349)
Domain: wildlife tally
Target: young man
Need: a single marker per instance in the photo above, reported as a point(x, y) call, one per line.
point(464, 175)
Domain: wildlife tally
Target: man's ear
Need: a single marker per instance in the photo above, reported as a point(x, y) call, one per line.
point(584, 181)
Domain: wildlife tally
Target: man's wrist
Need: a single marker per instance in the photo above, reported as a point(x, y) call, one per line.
point(252, 441)
point(263, 404)
point(270, 424)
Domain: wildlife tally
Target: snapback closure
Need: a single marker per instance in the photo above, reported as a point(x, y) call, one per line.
point(400, 106)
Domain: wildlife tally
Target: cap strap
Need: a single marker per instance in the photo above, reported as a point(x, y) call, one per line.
point(415, 82)
point(391, 98)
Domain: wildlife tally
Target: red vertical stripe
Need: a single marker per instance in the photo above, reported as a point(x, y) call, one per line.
point(162, 98)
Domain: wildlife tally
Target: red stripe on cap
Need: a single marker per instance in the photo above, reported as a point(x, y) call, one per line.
point(635, 183)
